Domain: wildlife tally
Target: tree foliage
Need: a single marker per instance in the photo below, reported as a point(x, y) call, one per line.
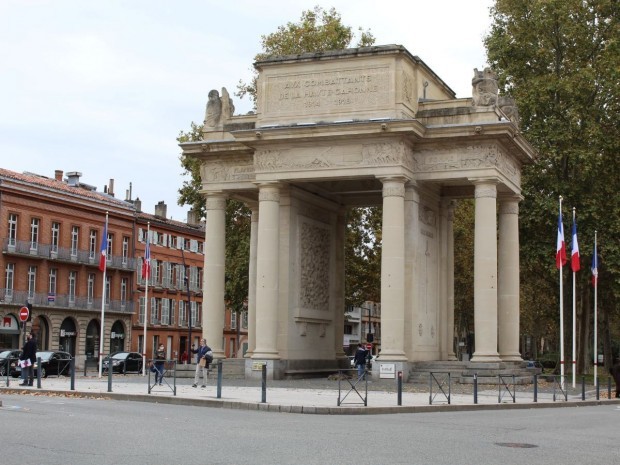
point(318, 30)
point(560, 60)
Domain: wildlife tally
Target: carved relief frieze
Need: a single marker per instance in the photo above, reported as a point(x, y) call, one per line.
point(427, 216)
point(314, 247)
point(407, 87)
point(471, 157)
point(387, 153)
point(227, 170)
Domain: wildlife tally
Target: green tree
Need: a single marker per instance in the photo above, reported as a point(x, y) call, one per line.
point(318, 30)
point(560, 60)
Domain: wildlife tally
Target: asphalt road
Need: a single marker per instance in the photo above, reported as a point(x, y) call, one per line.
point(70, 431)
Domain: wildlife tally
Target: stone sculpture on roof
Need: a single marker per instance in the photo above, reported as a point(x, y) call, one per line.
point(219, 109)
point(484, 88)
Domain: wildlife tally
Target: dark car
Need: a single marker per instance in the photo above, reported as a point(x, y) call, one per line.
point(8, 362)
point(124, 362)
point(53, 363)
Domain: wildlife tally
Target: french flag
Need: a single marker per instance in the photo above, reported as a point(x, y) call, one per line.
point(146, 264)
point(104, 248)
point(594, 267)
point(560, 254)
point(574, 255)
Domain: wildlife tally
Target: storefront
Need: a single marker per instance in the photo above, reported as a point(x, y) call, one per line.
point(9, 332)
point(117, 337)
point(68, 336)
point(92, 340)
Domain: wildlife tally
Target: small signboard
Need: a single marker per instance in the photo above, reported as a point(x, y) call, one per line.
point(258, 366)
point(387, 370)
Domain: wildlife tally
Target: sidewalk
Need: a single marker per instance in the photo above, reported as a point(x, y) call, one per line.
point(318, 396)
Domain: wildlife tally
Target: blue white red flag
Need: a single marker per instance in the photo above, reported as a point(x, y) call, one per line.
point(574, 254)
point(560, 253)
point(146, 264)
point(594, 267)
point(104, 249)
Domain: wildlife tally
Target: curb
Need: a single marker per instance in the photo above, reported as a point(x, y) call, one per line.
point(308, 410)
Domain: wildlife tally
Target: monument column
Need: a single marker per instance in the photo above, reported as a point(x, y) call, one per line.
point(508, 282)
point(485, 272)
point(450, 272)
point(341, 226)
point(214, 268)
point(393, 270)
point(252, 281)
point(267, 271)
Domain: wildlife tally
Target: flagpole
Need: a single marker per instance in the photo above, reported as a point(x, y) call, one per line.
point(146, 295)
point(103, 258)
point(561, 312)
point(595, 282)
point(574, 300)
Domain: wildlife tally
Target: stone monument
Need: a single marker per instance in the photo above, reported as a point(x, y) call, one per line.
point(363, 127)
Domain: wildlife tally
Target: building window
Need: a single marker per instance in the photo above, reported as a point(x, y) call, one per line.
point(75, 236)
point(51, 290)
point(34, 233)
point(165, 311)
point(12, 229)
point(154, 311)
point(182, 316)
point(92, 244)
point(9, 279)
point(107, 290)
point(55, 236)
point(194, 316)
point(32, 281)
point(91, 288)
point(168, 267)
point(125, 250)
point(233, 320)
point(72, 286)
point(124, 284)
point(141, 311)
point(244, 320)
point(108, 255)
point(172, 310)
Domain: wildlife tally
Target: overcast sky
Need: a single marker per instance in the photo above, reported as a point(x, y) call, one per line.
point(105, 87)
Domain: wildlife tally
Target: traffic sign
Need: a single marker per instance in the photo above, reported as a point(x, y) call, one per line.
point(368, 346)
point(23, 314)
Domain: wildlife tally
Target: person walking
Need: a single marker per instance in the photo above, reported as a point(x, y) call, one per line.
point(203, 353)
point(360, 360)
point(28, 357)
point(160, 360)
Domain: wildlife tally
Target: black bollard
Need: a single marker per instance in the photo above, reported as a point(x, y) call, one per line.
point(264, 384)
point(583, 388)
point(72, 368)
point(609, 387)
point(598, 389)
point(110, 370)
point(219, 378)
point(38, 372)
point(475, 388)
point(400, 388)
point(536, 388)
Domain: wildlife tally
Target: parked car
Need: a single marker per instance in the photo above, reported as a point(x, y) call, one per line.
point(52, 363)
point(8, 362)
point(124, 362)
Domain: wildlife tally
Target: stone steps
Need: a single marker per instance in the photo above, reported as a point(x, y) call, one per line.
point(233, 368)
point(464, 372)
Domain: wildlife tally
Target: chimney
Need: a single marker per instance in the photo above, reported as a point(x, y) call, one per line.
point(192, 217)
point(58, 175)
point(73, 178)
point(111, 188)
point(138, 204)
point(161, 209)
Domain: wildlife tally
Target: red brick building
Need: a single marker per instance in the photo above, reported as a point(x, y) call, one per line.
point(51, 231)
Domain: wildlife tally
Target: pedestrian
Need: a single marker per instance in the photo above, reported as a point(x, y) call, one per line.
point(28, 357)
point(160, 360)
point(184, 357)
point(615, 372)
point(360, 360)
point(203, 353)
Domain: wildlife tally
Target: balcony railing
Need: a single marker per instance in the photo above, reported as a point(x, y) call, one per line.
point(167, 283)
point(84, 257)
point(64, 301)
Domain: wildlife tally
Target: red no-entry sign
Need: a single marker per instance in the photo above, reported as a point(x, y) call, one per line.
point(23, 314)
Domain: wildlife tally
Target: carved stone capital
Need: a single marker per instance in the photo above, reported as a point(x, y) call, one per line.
point(216, 201)
point(269, 193)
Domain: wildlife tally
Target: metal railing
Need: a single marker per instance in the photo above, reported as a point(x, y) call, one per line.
point(64, 301)
point(440, 379)
point(353, 387)
point(84, 257)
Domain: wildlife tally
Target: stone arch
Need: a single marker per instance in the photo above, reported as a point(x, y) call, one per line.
point(68, 336)
point(117, 337)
